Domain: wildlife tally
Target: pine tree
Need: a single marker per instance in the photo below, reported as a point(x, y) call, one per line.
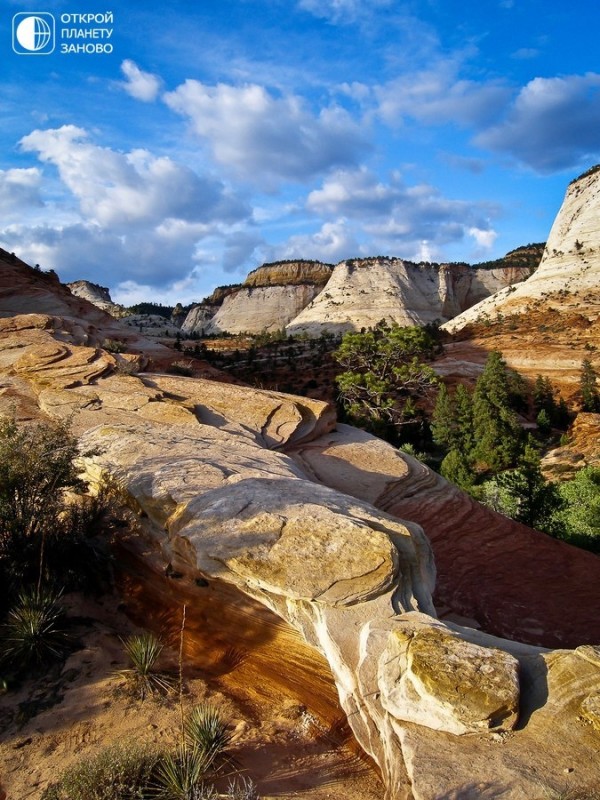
point(443, 421)
point(463, 402)
point(496, 429)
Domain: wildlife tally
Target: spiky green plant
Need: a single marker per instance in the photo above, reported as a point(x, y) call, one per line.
point(206, 730)
point(34, 633)
point(181, 775)
point(142, 677)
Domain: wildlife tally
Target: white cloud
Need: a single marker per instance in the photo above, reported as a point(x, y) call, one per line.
point(337, 11)
point(142, 85)
point(118, 216)
point(333, 242)
point(121, 190)
point(484, 238)
point(552, 124)
point(396, 218)
point(437, 95)
point(265, 138)
point(19, 191)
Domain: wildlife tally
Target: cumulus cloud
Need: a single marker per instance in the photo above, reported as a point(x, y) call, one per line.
point(121, 190)
point(552, 124)
point(142, 85)
point(437, 95)
point(397, 218)
point(266, 138)
point(123, 216)
point(19, 191)
point(333, 242)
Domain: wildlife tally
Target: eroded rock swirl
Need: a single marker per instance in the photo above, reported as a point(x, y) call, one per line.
point(231, 486)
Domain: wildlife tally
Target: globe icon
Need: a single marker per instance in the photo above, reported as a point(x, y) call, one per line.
point(33, 33)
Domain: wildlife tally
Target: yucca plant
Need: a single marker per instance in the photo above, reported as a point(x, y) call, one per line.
point(142, 676)
point(206, 730)
point(181, 775)
point(34, 633)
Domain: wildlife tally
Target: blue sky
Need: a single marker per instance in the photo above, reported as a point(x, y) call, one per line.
point(217, 136)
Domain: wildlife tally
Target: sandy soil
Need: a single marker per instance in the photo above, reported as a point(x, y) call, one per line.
point(287, 747)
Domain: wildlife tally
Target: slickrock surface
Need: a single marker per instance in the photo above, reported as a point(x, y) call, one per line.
point(501, 575)
point(220, 499)
point(269, 298)
point(290, 273)
point(549, 323)
point(361, 292)
point(24, 290)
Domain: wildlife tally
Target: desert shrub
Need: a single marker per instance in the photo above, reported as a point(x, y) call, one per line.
point(142, 677)
point(34, 632)
point(119, 772)
point(242, 788)
point(183, 368)
point(114, 346)
point(44, 538)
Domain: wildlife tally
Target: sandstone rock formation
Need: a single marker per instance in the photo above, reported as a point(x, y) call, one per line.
point(361, 292)
point(98, 295)
point(582, 450)
point(256, 490)
point(569, 271)
point(269, 298)
point(549, 323)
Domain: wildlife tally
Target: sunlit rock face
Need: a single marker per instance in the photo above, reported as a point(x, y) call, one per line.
point(361, 292)
point(569, 272)
point(252, 489)
point(269, 298)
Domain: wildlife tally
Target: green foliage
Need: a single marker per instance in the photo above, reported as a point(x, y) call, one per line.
point(114, 346)
point(525, 495)
point(153, 308)
point(183, 368)
point(119, 772)
point(206, 730)
point(34, 632)
point(41, 537)
point(579, 518)
point(181, 775)
point(142, 677)
point(588, 385)
point(384, 375)
point(456, 468)
point(496, 430)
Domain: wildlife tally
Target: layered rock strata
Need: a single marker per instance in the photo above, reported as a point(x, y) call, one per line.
point(270, 297)
point(206, 466)
point(361, 292)
point(569, 272)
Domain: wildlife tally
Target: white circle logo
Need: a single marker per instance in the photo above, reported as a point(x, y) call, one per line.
point(33, 34)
